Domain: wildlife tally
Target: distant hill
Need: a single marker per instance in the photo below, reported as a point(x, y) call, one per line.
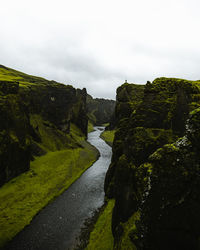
point(100, 111)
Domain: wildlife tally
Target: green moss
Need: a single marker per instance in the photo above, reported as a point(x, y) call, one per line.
point(90, 127)
point(53, 139)
point(108, 136)
point(194, 111)
point(49, 176)
point(129, 229)
point(101, 237)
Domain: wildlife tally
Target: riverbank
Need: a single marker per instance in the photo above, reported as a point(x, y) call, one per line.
point(97, 233)
point(108, 136)
point(101, 236)
point(24, 196)
point(58, 225)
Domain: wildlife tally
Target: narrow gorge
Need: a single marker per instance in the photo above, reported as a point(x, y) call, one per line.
point(58, 225)
point(56, 171)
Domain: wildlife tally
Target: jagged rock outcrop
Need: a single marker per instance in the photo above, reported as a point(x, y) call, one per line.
point(153, 172)
point(100, 110)
point(35, 116)
point(169, 212)
point(129, 96)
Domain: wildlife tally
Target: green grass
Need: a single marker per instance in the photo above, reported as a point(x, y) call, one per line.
point(90, 127)
point(108, 136)
point(67, 156)
point(101, 237)
point(48, 177)
point(128, 227)
point(8, 74)
point(105, 124)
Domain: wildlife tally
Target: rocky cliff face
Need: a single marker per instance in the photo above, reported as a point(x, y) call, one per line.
point(14, 136)
point(100, 110)
point(155, 164)
point(35, 116)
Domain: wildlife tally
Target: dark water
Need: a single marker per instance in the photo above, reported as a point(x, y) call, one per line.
point(57, 225)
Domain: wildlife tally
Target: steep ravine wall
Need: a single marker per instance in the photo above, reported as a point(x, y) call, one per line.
point(35, 117)
point(154, 171)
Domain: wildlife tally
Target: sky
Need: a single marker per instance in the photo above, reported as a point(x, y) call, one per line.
point(100, 44)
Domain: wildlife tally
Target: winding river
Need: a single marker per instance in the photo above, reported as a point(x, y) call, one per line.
point(58, 225)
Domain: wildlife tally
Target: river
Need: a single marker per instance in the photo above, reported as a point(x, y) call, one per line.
point(58, 225)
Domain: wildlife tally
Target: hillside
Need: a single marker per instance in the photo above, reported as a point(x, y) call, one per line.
point(36, 115)
point(154, 173)
point(43, 148)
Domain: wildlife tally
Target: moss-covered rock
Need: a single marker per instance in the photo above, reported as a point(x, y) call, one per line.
point(147, 122)
point(129, 97)
point(169, 213)
point(36, 116)
point(14, 137)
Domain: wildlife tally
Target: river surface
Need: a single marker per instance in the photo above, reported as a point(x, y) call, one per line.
point(58, 225)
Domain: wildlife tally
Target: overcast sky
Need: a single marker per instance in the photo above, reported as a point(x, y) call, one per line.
point(99, 44)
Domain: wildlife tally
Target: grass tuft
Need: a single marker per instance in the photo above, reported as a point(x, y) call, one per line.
point(101, 237)
point(108, 136)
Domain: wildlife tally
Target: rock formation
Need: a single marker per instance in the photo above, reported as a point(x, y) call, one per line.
point(35, 116)
point(155, 164)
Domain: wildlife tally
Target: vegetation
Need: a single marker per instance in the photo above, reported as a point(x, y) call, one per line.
point(25, 80)
point(100, 110)
point(37, 116)
point(155, 165)
point(101, 237)
point(90, 127)
point(108, 136)
point(129, 228)
point(49, 175)
point(42, 144)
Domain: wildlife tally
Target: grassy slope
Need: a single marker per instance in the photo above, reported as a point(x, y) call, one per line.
point(101, 237)
point(7, 74)
point(49, 176)
point(108, 136)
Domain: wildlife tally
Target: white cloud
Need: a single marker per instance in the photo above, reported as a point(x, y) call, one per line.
point(99, 44)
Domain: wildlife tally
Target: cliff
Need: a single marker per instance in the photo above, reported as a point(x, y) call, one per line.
point(154, 173)
point(100, 111)
point(36, 117)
